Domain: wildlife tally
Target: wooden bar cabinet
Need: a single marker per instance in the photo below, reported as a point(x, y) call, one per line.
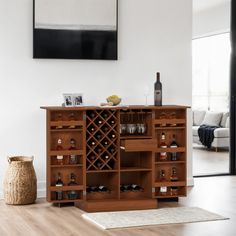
point(116, 158)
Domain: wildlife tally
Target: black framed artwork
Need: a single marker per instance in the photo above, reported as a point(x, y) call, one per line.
point(75, 29)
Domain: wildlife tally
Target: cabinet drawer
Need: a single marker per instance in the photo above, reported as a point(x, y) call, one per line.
point(137, 145)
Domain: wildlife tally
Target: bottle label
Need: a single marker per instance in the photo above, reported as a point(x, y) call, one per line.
point(163, 189)
point(59, 157)
point(158, 97)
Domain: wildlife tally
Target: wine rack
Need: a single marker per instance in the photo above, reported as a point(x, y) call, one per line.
point(122, 158)
point(102, 140)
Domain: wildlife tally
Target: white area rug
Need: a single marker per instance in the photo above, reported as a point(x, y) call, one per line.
point(175, 215)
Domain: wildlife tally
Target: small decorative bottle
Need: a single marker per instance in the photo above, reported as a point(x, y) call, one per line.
point(173, 155)
point(158, 91)
point(59, 148)
point(174, 177)
point(73, 159)
point(163, 155)
point(59, 183)
point(72, 194)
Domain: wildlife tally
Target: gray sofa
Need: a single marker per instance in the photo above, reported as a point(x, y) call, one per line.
point(221, 135)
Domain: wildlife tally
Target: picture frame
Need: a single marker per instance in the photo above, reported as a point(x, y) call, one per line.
point(77, 99)
point(81, 29)
point(73, 99)
point(68, 99)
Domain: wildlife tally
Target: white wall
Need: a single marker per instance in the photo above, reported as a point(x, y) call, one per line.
point(154, 35)
point(211, 20)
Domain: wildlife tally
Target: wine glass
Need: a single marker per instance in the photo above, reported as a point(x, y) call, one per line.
point(146, 94)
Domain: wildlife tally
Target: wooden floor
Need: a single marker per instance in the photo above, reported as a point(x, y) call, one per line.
point(208, 162)
point(217, 194)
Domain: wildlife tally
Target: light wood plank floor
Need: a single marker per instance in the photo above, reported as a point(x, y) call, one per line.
point(217, 194)
point(207, 162)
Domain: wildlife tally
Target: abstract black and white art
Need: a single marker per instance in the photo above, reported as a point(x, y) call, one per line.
point(75, 29)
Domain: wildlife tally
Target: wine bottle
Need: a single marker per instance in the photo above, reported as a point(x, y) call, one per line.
point(111, 149)
point(103, 189)
point(59, 148)
point(91, 115)
point(98, 150)
point(92, 143)
point(59, 118)
point(163, 155)
point(158, 91)
point(72, 158)
point(104, 115)
point(59, 183)
point(91, 129)
point(105, 129)
point(112, 136)
point(111, 122)
point(162, 175)
point(105, 157)
point(72, 194)
point(98, 164)
point(105, 142)
point(174, 177)
point(173, 155)
point(98, 136)
point(136, 188)
point(72, 118)
point(99, 122)
point(92, 157)
point(163, 190)
point(72, 144)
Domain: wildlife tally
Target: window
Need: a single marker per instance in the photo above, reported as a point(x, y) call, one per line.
point(211, 63)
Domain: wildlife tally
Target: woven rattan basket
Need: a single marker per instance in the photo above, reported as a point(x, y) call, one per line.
point(20, 183)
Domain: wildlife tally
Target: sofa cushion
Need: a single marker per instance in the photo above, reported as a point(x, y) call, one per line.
point(221, 132)
point(198, 117)
point(195, 130)
point(227, 122)
point(212, 118)
point(224, 118)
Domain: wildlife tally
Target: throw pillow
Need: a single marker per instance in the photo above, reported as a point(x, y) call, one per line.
point(227, 122)
point(212, 118)
point(224, 118)
point(198, 117)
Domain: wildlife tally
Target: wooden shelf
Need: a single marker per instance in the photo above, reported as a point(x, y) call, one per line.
point(169, 128)
point(66, 130)
point(179, 149)
point(101, 171)
point(66, 152)
point(135, 137)
point(169, 122)
point(134, 169)
point(66, 201)
point(66, 188)
point(66, 123)
point(169, 162)
point(66, 166)
point(170, 184)
point(170, 196)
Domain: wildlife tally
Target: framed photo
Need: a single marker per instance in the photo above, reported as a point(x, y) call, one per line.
point(77, 99)
point(68, 99)
point(73, 99)
point(75, 29)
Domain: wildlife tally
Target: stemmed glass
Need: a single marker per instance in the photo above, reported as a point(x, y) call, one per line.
point(146, 94)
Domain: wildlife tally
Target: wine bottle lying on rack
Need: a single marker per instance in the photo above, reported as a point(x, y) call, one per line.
point(97, 189)
point(131, 188)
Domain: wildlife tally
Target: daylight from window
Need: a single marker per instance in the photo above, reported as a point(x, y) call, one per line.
point(211, 57)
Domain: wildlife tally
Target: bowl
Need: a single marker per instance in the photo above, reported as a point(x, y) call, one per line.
point(116, 101)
